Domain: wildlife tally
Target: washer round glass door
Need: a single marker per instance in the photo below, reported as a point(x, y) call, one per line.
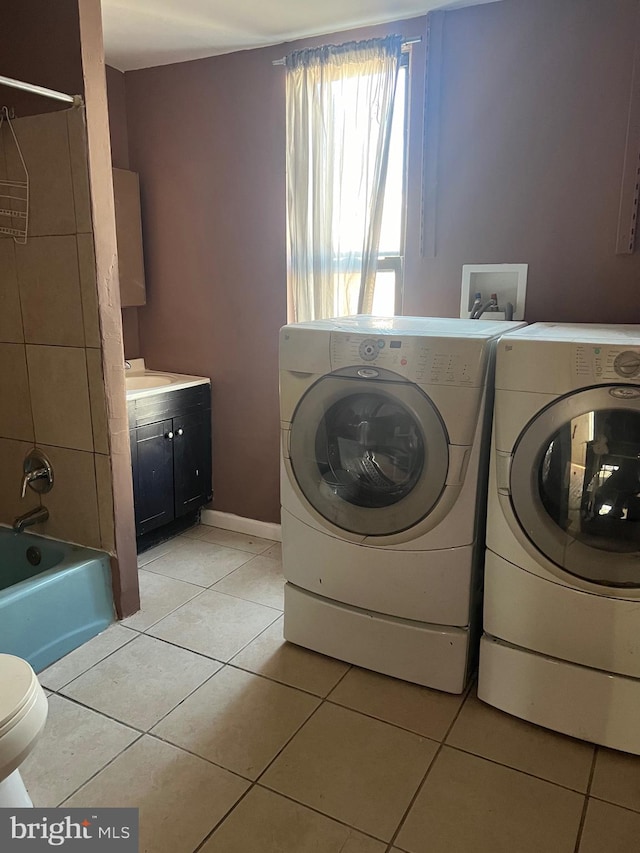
point(370, 455)
point(575, 484)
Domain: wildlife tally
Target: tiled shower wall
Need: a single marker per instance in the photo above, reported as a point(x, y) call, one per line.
point(51, 383)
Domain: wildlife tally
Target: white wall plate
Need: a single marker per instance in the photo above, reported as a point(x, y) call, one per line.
point(508, 281)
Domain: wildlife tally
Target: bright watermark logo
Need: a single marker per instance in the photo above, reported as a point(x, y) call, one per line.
point(27, 830)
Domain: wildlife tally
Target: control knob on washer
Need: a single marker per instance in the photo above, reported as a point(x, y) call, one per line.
point(627, 364)
point(368, 350)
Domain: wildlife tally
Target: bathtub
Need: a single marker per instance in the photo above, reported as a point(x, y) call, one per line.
point(53, 596)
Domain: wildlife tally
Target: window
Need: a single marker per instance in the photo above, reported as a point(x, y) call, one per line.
point(387, 294)
point(346, 111)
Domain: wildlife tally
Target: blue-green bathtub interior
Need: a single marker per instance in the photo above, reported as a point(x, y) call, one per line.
point(49, 609)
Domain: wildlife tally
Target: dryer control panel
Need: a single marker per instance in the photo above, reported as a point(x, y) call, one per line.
point(426, 360)
point(607, 363)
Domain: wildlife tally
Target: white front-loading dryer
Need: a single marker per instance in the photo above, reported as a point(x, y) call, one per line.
point(384, 421)
point(562, 573)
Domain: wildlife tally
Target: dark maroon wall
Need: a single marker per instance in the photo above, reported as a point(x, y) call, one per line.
point(531, 130)
point(208, 139)
point(40, 43)
point(534, 112)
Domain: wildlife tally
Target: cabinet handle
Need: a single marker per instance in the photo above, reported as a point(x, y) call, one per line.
point(180, 431)
point(168, 435)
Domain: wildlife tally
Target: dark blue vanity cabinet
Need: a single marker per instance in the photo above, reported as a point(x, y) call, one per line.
point(170, 434)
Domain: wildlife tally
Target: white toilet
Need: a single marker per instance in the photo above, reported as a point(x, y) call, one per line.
point(23, 713)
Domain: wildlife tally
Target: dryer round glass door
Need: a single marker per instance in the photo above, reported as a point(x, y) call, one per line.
point(575, 484)
point(371, 456)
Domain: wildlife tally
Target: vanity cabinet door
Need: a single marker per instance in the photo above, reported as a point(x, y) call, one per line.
point(153, 476)
point(192, 461)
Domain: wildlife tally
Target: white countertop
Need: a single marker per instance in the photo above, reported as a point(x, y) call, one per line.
point(141, 382)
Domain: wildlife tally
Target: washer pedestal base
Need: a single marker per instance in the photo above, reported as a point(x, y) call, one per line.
point(431, 655)
point(585, 703)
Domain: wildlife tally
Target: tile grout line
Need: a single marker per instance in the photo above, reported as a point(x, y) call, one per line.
point(380, 719)
point(279, 610)
point(149, 731)
point(104, 767)
point(102, 714)
point(144, 733)
point(229, 811)
point(177, 607)
point(196, 755)
point(234, 547)
point(214, 660)
point(193, 651)
point(279, 683)
point(179, 539)
point(323, 700)
point(253, 783)
point(432, 763)
point(612, 803)
point(146, 628)
point(256, 782)
point(515, 769)
point(175, 544)
point(122, 722)
point(317, 811)
point(211, 588)
point(143, 633)
point(585, 805)
point(231, 659)
point(92, 666)
point(60, 346)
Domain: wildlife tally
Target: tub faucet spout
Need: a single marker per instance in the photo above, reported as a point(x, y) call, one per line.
point(34, 516)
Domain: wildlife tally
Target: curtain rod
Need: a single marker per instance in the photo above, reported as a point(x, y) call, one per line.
point(405, 44)
point(76, 100)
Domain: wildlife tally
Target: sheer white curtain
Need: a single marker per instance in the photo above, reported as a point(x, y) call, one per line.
point(339, 110)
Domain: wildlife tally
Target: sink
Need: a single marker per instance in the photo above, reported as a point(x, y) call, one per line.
point(141, 382)
point(137, 383)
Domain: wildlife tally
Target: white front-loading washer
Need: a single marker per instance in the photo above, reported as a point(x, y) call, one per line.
point(561, 643)
point(384, 425)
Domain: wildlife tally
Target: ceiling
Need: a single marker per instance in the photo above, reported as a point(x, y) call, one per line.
point(142, 33)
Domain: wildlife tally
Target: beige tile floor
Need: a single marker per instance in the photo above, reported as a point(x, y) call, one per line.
point(231, 741)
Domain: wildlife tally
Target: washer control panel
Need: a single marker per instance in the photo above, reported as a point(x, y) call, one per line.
point(427, 360)
point(607, 363)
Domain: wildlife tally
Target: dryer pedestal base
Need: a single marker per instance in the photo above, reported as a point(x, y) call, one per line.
point(434, 656)
point(585, 703)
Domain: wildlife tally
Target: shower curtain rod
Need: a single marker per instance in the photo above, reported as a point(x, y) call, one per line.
point(405, 44)
point(76, 100)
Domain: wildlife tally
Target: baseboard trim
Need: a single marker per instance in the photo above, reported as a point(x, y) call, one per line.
point(250, 526)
